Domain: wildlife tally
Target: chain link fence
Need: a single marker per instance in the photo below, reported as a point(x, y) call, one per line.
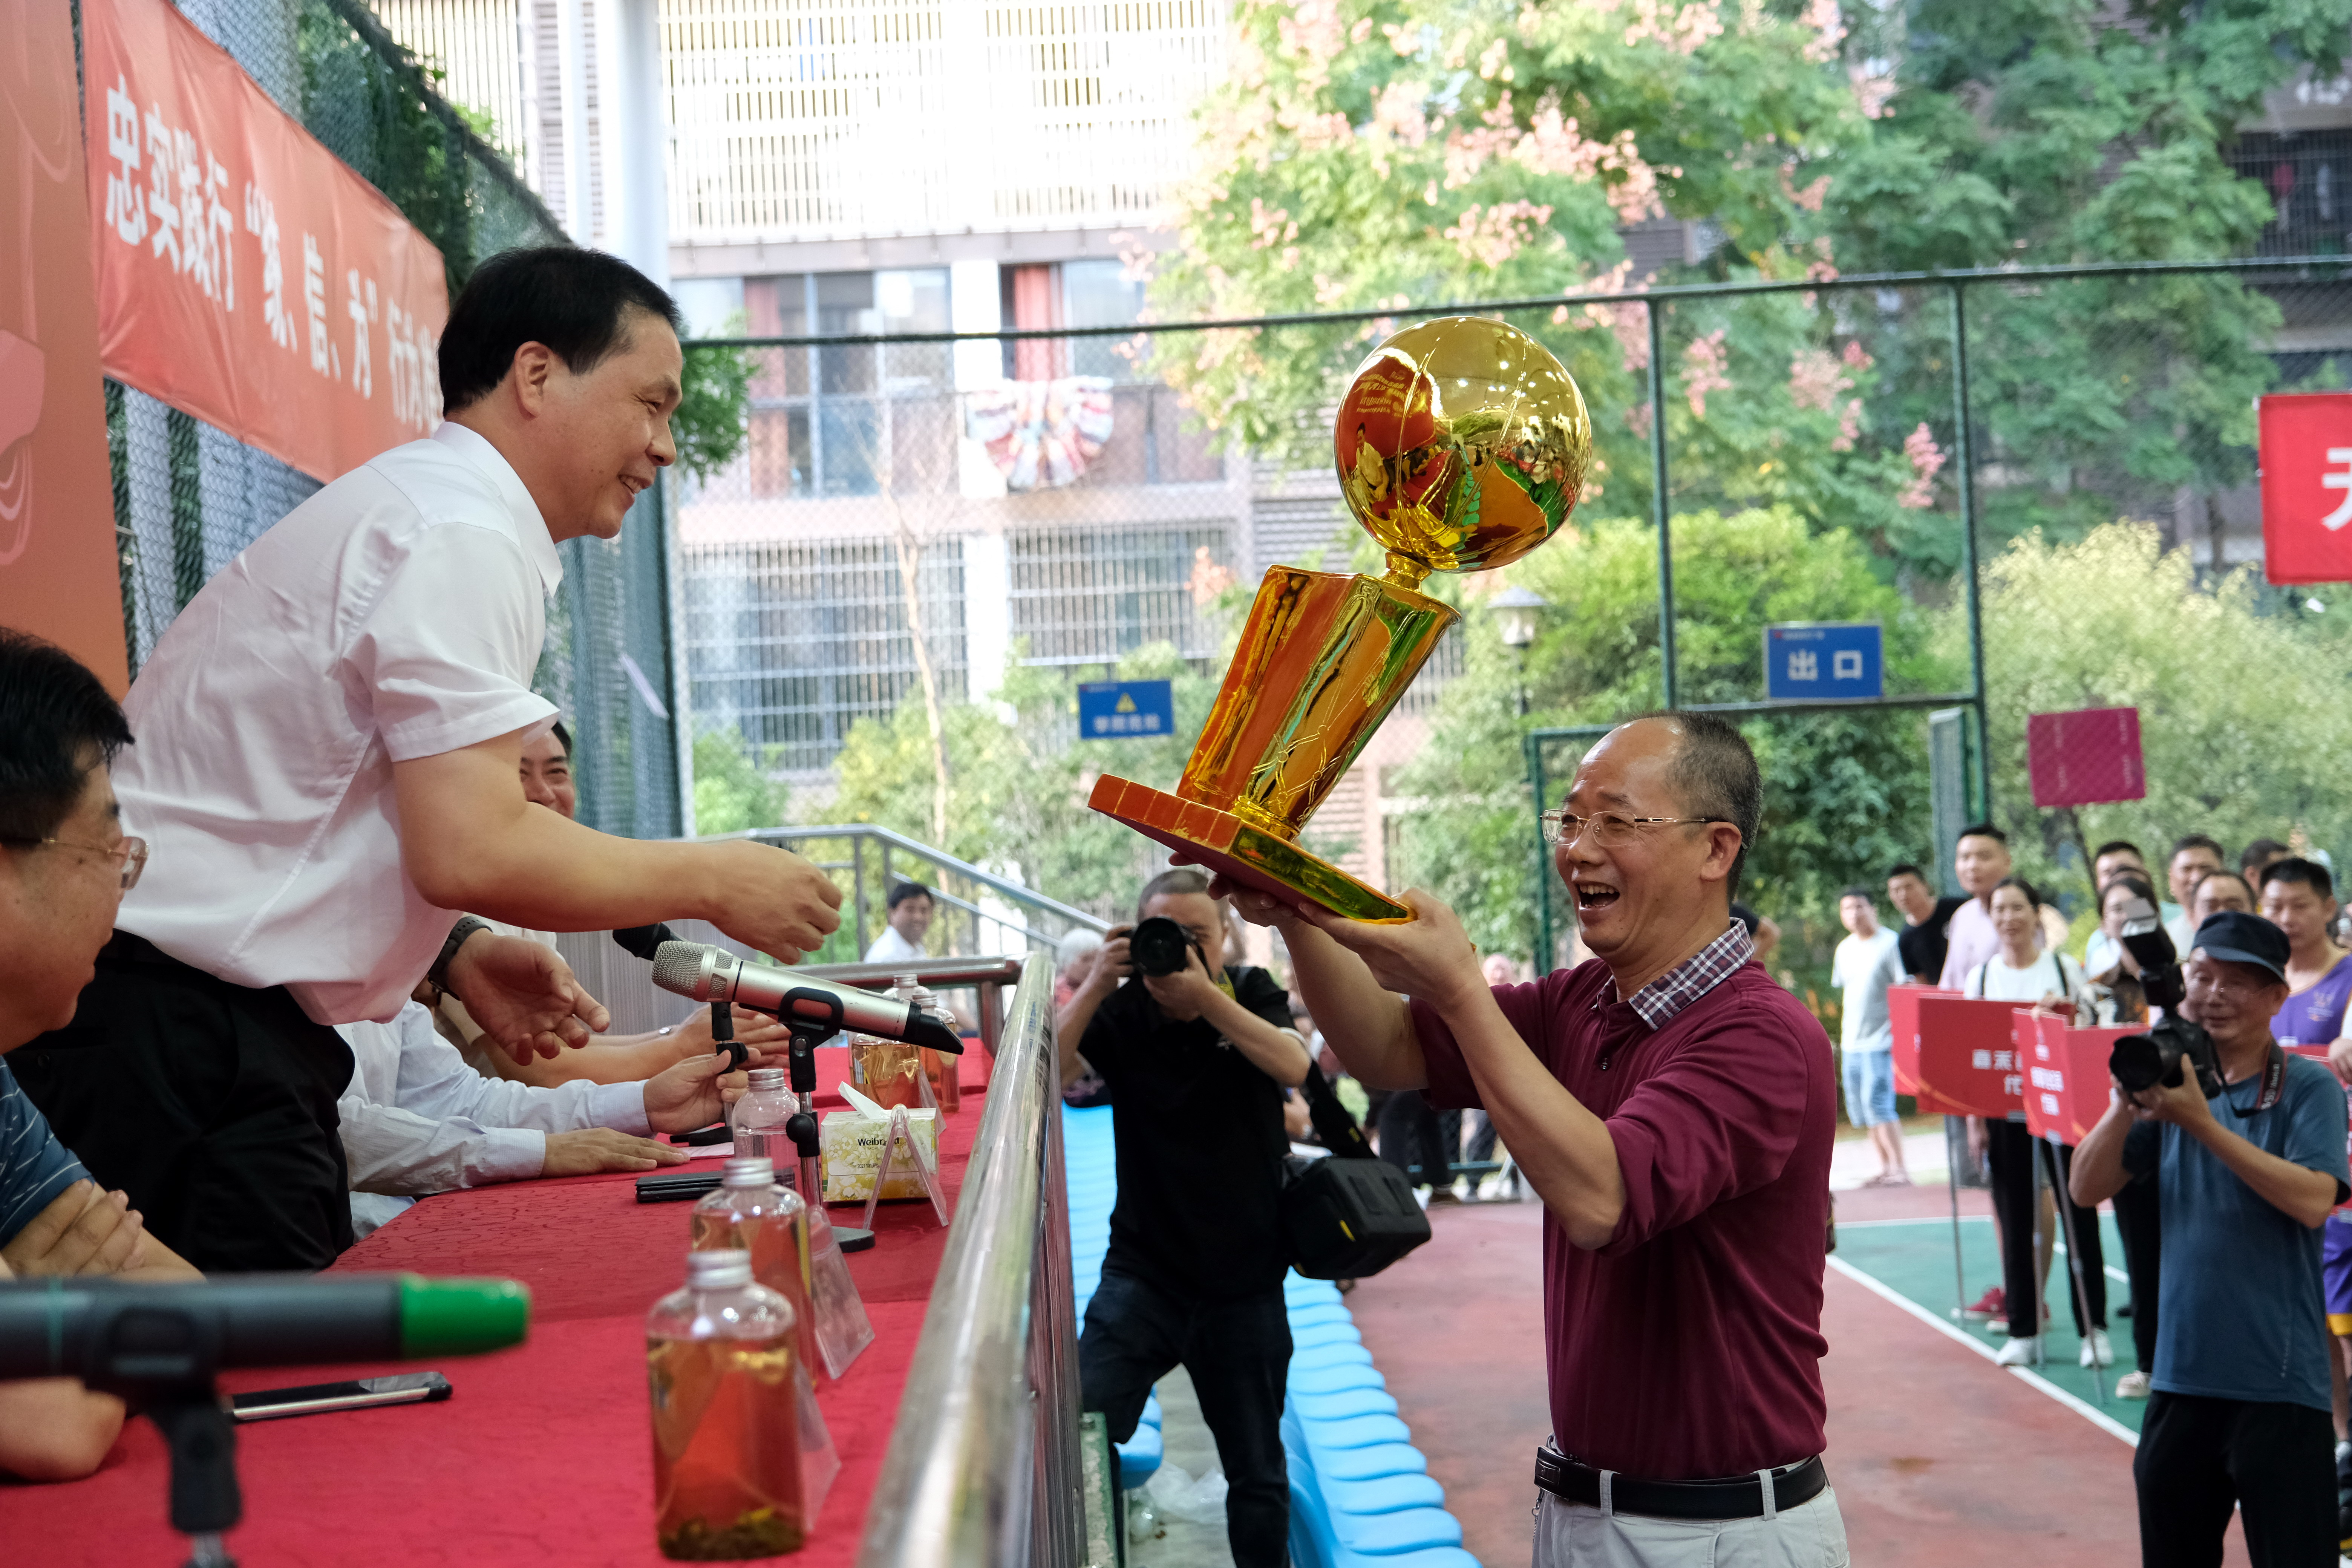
point(918, 521)
point(188, 496)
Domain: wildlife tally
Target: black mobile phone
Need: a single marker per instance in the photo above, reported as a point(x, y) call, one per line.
point(703, 1137)
point(312, 1399)
point(674, 1186)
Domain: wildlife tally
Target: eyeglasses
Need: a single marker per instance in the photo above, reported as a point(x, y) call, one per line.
point(129, 854)
point(1610, 831)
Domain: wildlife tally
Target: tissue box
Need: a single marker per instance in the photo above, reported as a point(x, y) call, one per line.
point(849, 1146)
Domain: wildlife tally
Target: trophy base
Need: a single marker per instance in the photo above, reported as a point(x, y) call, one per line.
point(1226, 845)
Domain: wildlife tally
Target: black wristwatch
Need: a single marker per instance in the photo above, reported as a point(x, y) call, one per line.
point(437, 977)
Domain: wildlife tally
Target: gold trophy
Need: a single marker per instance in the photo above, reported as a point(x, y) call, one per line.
point(1462, 444)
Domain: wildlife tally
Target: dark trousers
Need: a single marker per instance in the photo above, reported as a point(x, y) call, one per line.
point(2200, 1457)
point(213, 1105)
point(2139, 1221)
point(1237, 1354)
point(2078, 1230)
point(2013, 1154)
point(1411, 1134)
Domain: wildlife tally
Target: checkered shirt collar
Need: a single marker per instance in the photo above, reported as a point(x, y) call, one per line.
point(1693, 978)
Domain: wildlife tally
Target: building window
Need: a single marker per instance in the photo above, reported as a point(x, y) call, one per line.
point(1092, 596)
point(851, 419)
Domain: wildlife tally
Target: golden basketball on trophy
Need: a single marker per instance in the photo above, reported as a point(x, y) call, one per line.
point(1462, 444)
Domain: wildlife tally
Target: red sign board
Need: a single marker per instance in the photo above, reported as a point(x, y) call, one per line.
point(2306, 466)
point(60, 575)
point(1954, 1053)
point(246, 275)
point(2066, 1080)
point(2085, 758)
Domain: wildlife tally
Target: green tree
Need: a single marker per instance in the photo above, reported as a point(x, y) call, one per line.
point(1017, 792)
point(732, 791)
point(2243, 719)
point(1845, 795)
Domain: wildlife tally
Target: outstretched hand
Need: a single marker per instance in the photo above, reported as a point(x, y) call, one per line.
point(523, 995)
point(1430, 956)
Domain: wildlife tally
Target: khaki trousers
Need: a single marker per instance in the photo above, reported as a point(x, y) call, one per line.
point(1576, 1535)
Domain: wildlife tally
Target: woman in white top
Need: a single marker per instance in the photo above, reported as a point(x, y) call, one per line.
point(2021, 973)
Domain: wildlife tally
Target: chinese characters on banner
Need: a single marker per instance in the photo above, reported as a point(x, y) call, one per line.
point(246, 275)
point(2306, 463)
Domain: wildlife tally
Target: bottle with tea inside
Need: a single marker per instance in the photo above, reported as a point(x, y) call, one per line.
point(753, 1212)
point(721, 1354)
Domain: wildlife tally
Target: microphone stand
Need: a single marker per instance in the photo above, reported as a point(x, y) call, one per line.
point(801, 1128)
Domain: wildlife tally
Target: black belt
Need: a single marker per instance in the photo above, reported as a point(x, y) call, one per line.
point(1734, 1497)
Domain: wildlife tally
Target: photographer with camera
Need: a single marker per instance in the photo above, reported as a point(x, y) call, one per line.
point(2248, 1147)
point(1196, 1055)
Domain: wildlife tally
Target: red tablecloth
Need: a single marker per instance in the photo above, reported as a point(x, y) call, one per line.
point(544, 1453)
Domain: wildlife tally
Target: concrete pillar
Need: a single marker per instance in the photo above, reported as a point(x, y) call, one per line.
point(633, 138)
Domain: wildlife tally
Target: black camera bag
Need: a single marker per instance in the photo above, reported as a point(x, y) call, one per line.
point(1351, 1214)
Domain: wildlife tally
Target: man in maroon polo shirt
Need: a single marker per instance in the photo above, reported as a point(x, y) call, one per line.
point(1675, 1109)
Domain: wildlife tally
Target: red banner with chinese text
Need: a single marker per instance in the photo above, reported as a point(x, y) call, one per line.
point(246, 275)
point(59, 569)
point(2306, 467)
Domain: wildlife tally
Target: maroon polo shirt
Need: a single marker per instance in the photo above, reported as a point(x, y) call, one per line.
point(1690, 1346)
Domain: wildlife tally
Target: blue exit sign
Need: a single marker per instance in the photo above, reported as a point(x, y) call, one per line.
point(1823, 661)
point(1124, 709)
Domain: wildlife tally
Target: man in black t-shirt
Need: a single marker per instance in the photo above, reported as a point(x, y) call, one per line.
point(1196, 1063)
point(1923, 941)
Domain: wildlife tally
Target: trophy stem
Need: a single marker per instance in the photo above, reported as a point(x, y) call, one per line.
point(1321, 661)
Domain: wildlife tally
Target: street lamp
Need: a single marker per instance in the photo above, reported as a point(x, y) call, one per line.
point(1517, 613)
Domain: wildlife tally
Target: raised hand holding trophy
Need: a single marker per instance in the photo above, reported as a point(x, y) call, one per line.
point(1462, 444)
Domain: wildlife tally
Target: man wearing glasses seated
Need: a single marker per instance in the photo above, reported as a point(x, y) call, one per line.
point(1675, 1109)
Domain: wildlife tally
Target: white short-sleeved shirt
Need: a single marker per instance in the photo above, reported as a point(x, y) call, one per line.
point(396, 614)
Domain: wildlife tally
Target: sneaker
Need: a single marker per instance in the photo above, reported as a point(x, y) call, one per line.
point(1993, 1304)
point(2132, 1386)
point(2024, 1351)
point(2097, 1351)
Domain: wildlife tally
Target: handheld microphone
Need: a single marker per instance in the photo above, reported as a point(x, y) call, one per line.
point(643, 941)
point(715, 975)
point(127, 1337)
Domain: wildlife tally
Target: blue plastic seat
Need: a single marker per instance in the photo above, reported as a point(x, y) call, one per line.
point(1368, 1464)
point(1356, 1432)
point(1386, 1494)
point(1340, 1404)
point(1338, 1354)
point(1338, 1378)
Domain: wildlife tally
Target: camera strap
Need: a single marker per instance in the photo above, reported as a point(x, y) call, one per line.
point(1332, 1122)
point(2273, 1080)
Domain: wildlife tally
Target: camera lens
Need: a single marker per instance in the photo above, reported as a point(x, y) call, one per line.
point(1157, 946)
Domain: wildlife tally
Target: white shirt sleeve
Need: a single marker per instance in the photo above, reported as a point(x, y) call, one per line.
point(434, 1082)
point(437, 650)
point(401, 1155)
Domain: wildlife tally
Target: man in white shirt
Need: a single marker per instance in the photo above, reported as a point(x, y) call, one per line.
point(417, 1120)
point(328, 769)
point(901, 942)
point(1866, 964)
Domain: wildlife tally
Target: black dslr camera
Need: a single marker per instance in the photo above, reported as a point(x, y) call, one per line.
point(1157, 946)
point(2175, 1046)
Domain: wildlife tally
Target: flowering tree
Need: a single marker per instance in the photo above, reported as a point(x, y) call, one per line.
point(1367, 154)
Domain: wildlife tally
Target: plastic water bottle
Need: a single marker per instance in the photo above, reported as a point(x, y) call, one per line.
point(722, 1356)
point(758, 1121)
point(888, 1070)
point(753, 1212)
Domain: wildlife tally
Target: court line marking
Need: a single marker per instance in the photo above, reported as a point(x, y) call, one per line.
point(2109, 1269)
point(2096, 1417)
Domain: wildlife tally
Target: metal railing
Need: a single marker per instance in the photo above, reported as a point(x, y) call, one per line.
point(983, 1467)
point(879, 857)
